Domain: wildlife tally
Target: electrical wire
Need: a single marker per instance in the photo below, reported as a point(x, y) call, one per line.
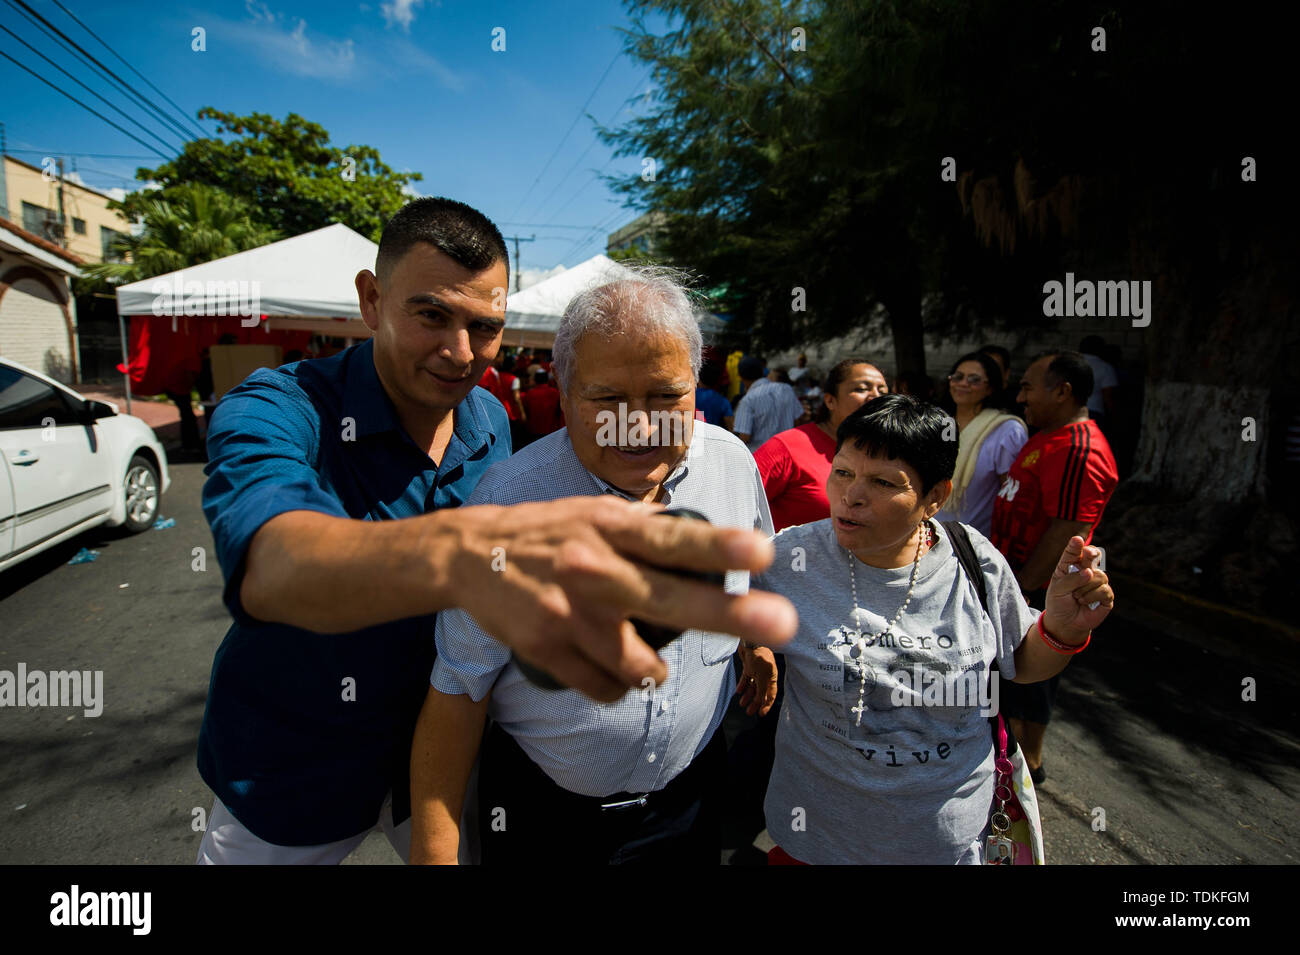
point(50, 28)
point(122, 112)
point(201, 133)
point(582, 109)
point(83, 105)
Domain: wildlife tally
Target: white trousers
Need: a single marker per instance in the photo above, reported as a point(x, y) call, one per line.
point(227, 842)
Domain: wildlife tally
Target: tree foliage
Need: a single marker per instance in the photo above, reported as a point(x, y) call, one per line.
point(287, 172)
point(820, 168)
point(187, 225)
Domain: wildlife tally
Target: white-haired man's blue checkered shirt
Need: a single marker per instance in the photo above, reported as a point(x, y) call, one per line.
point(641, 742)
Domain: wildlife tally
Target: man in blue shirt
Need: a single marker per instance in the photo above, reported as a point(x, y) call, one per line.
point(714, 404)
point(329, 489)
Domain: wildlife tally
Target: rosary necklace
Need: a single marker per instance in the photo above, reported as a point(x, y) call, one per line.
point(858, 651)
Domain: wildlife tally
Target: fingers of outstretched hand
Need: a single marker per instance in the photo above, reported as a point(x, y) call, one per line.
point(689, 545)
point(683, 603)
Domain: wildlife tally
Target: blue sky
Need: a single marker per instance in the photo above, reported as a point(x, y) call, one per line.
point(417, 79)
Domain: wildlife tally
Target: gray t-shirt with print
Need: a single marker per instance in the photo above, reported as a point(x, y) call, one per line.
point(913, 782)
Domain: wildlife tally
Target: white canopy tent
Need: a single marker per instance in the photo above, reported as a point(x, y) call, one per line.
point(533, 314)
point(304, 283)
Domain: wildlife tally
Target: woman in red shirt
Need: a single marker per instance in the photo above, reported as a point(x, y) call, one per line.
point(795, 463)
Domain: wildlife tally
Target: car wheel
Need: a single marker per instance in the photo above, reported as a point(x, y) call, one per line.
point(140, 490)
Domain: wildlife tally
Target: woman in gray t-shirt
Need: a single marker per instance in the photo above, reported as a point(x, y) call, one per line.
point(884, 753)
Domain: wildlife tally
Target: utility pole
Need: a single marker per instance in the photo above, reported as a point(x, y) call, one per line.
point(516, 239)
point(4, 192)
point(63, 228)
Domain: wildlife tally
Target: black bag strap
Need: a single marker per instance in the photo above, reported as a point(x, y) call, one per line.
point(961, 544)
point(970, 563)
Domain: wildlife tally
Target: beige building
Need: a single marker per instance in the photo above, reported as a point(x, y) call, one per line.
point(638, 234)
point(38, 315)
point(29, 197)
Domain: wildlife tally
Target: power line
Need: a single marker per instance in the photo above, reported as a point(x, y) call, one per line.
point(543, 225)
point(581, 244)
point(541, 205)
point(110, 175)
point(83, 105)
point(49, 27)
point(202, 133)
point(74, 79)
point(594, 176)
point(69, 152)
point(582, 109)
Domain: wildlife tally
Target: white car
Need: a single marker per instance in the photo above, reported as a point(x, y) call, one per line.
point(68, 464)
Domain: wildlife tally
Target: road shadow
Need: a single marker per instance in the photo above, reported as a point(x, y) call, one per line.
point(34, 568)
point(66, 773)
point(1189, 697)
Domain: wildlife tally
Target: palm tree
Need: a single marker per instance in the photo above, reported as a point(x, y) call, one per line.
point(189, 225)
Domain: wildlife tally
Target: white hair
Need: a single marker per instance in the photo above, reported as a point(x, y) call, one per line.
point(651, 298)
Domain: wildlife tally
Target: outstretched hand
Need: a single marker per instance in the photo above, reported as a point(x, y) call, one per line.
point(1079, 596)
point(569, 573)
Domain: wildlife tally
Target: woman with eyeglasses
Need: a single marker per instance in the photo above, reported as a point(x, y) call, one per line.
point(989, 439)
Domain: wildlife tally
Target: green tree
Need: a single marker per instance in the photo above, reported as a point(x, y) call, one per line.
point(1119, 141)
point(288, 173)
point(191, 225)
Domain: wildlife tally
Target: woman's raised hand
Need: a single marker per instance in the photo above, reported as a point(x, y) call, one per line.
point(1079, 596)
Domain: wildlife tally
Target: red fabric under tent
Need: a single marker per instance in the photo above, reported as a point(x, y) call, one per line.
point(166, 351)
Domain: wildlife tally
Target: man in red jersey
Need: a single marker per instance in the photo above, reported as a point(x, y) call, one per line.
point(1057, 487)
point(542, 406)
point(505, 387)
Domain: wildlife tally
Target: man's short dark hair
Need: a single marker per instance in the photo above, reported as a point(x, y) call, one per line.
point(1071, 367)
point(899, 426)
point(752, 368)
point(710, 374)
point(458, 231)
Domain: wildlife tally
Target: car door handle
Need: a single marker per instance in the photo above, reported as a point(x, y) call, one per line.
point(24, 457)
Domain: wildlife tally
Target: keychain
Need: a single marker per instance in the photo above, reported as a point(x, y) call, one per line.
point(999, 849)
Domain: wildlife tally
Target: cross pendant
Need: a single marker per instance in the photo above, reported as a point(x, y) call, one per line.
point(859, 709)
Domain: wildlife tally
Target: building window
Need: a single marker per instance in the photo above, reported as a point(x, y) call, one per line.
point(107, 242)
point(41, 221)
point(78, 226)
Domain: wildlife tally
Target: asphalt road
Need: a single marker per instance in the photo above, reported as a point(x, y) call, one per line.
point(1151, 725)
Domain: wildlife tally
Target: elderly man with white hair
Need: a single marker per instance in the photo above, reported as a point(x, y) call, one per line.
point(638, 780)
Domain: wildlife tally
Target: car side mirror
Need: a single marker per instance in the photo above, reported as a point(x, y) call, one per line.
point(94, 410)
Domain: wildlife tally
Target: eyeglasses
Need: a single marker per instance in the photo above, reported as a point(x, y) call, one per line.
point(974, 380)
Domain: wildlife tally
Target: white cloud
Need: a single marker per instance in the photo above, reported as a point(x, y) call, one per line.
point(405, 58)
point(529, 277)
point(289, 47)
point(400, 12)
point(116, 192)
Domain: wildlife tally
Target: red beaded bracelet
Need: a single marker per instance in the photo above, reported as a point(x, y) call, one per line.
point(1056, 644)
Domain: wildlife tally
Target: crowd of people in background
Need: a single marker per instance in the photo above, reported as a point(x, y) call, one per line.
point(521, 381)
